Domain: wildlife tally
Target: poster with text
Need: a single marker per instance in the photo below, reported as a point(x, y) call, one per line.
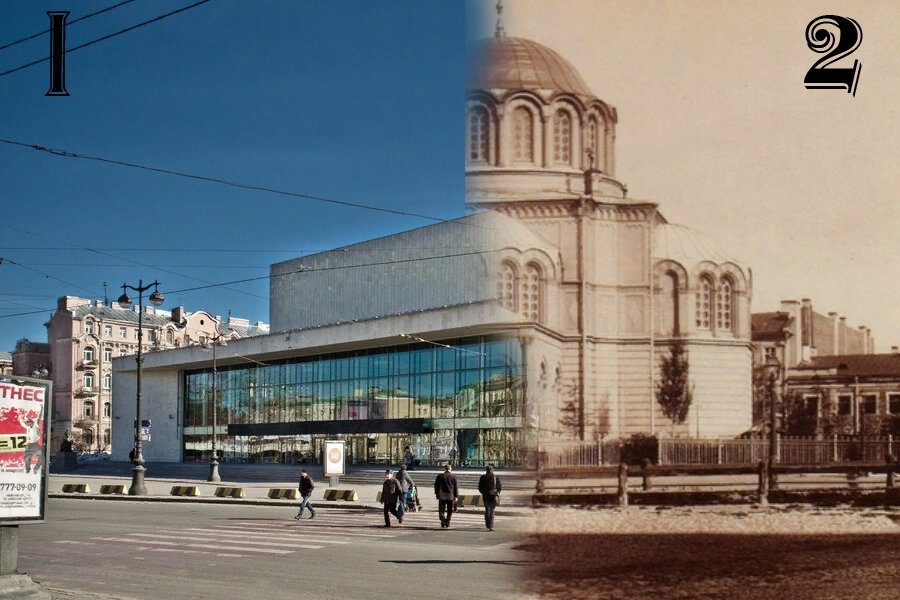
point(23, 456)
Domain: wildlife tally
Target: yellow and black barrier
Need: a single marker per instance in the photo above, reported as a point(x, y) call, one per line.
point(475, 500)
point(284, 494)
point(229, 492)
point(112, 489)
point(185, 490)
point(76, 488)
point(345, 495)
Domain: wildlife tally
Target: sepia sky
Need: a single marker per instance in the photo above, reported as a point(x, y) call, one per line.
point(716, 126)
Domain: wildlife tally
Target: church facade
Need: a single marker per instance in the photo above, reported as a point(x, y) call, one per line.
point(603, 284)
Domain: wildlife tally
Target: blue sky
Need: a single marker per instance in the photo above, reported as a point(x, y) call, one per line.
point(360, 101)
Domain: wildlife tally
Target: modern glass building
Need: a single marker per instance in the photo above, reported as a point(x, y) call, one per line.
point(460, 401)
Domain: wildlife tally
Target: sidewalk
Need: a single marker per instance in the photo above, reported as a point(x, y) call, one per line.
point(514, 502)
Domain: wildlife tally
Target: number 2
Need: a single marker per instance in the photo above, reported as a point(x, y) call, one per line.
point(822, 40)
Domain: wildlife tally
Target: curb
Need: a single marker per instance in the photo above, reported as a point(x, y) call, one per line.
point(259, 502)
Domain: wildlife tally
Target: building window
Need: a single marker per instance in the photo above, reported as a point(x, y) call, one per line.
point(870, 404)
point(704, 304)
point(811, 405)
point(123, 333)
point(87, 436)
point(123, 351)
point(107, 354)
point(506, 286)
point(88, 354)
point(106, 437)
point(478, 133)
point(668, 303)
point(562, 137)
point(137, 333)
point(894, 404)
point(107, 330)
point(89, 409)
point(107, 381)
point(88, 381)
point(523, 135)
point(89, 326)
point(590, 141)
point(530, 296)
point(107, 410)
point(169, 336)
point(771, 353)
point(845, 404)
point(724, 297)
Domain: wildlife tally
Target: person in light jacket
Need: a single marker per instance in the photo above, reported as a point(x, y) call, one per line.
point(446, 491)
point(489, 487)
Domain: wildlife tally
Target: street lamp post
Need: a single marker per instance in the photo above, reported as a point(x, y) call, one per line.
point(156, 298)
point(215, 340)
point(773, 370)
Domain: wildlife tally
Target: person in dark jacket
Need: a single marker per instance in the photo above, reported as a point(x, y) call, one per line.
point(306, 488)
point(391, 497)
point(446, 491)
point(405, 482)
point(489, 487)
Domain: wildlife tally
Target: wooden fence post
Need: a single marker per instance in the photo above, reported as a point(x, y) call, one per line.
point(622, 492)
point(890, 489)
point(763, 489)
point(646, 473)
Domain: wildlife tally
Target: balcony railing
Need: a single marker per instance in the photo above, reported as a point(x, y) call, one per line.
point(83, 391)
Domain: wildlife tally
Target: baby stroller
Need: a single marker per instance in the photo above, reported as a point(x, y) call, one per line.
point(412, 500)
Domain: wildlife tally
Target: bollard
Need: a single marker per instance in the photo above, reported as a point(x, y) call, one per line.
point(763, 483)
point(622, 492)
point(646, 473)
point(890, 488)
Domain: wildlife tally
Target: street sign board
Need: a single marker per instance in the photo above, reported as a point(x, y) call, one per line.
point(145, 434)
point(24, 455)
point(334, 458)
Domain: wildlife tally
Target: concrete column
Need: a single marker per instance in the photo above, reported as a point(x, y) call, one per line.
point(12, 584)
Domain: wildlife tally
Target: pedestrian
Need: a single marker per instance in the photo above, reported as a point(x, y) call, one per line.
point(306, 489)
point(489, 487)
point(405, 485)
point(446, 491)
point(391, 497)
point(409, 459)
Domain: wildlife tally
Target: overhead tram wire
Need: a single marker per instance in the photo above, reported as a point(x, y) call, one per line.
point(4, 259)
point(134, 262)
point(72, 22)
point(245, 186)
point(106, 37)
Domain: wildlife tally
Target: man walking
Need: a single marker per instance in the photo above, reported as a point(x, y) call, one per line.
point(446, 491)
point(306, 489)
point(489, 487)
point(405, 483)
point(391, 497)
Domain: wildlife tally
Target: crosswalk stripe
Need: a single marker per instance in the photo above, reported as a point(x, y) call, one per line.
point(261, 550)
point(242, 534)
point(212, 538)
point(257, 529)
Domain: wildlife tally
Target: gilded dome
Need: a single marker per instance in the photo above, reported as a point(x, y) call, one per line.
point(509, 63)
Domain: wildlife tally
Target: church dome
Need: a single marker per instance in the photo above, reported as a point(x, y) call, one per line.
point(510, 63)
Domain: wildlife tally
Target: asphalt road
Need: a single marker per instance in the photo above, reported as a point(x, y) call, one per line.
point(150, 550)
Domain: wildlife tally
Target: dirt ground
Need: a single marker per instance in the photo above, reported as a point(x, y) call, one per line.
point(791, 553)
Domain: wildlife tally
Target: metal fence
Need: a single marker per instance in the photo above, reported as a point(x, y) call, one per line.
point(714, 451)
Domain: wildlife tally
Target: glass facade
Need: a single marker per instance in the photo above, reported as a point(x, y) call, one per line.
point(470, 397)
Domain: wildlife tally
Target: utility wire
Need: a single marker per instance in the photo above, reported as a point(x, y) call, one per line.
point(245, 186)
point(106, 37)
point(72, 22)
point(12, 262)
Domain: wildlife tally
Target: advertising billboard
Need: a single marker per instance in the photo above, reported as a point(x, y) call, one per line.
point(24, 455)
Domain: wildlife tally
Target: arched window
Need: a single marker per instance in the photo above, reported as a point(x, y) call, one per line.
point(169, 336)
point(724, 304)
point(87, 436)
point(88, 326)
point(668, 304)
point(106, 437)
point(506, 286)
point(107, 381)
point(562, 137)
point(477, 134)
point(530, 296)
point(590, 141)
point(88, 354)
point(523, 135)
point(88, 381)
point(704, 303)
point(89, 408)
